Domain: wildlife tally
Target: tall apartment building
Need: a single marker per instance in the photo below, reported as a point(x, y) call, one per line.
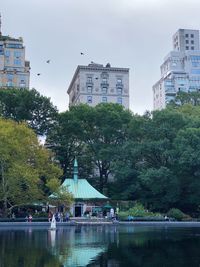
point(94, 84)
point(180, 70)
point(14, 69)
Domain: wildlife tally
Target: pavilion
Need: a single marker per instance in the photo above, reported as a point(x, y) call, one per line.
point(86, 198)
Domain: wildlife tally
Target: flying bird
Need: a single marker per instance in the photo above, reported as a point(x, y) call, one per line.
point(38, 74)
point(82, 54)
point(96, 78)
point(48, 61)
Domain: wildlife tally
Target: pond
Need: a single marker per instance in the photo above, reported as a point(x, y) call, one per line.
point(103, 246)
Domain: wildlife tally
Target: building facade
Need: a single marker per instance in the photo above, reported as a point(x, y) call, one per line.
point(94, 84)
point(180, 70)
point(14, 69)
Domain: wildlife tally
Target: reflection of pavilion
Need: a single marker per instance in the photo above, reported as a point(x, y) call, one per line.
point(87, 198)
point(77, 246)
point(82, 256)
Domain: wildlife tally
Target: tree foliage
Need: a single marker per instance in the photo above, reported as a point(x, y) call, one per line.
point(26, 168)
point(152, 158)
point(26, 105)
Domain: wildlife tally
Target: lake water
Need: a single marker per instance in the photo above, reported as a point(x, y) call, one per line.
point(101, 246)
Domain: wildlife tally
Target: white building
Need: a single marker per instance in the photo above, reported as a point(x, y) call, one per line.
point(94, 84)
point(14, 69)
point(180, 70)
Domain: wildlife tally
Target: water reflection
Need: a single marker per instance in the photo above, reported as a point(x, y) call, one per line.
point(100, 246)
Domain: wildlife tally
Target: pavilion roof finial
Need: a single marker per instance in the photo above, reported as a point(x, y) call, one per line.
point(75, 174)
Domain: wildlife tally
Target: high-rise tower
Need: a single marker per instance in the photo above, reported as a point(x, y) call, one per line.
point(180, 70)
point(14, 69)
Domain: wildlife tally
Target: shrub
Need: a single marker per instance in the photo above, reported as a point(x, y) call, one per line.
point(137, 211)
point(176, 214)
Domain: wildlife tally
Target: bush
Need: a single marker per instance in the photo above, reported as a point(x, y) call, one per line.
point(177, 214)
point(137, 211)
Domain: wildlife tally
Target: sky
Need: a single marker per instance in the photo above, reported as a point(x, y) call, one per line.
point(135, 34)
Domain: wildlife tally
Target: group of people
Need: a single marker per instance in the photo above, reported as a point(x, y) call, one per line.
point(29, 218)
point(59, 216)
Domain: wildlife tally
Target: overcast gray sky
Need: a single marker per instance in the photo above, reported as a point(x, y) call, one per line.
point(127, 33)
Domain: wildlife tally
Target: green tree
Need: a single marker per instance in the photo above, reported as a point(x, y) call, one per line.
point(93, 131)
point(183, 98)
point(26, 168)
point(187, 146)
point(28, 105)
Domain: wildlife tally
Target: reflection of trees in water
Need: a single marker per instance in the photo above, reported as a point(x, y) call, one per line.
point(38, 248)
point(28, 251)
point(152, 249)
point(124, 246)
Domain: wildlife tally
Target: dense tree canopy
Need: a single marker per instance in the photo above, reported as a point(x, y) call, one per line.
point(95, 134)
point(26, 105)
point(152, 158)
point(26, 168)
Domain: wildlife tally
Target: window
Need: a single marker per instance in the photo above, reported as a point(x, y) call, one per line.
point(187, 41)
point(89, 79)
point(104, 80)
point(89, 99)
point(192, 41)
point(195, 64)
point(104, 90)
point(119, 100)
point(17, 54)
point(22, 85)
point(119, 80)
point(192, 47)
point(119, 91)
point(192, 35)
point(1, 49)
point(17, 62)
point(187, 47)
point(186, 35)
point(195, 71)
point(89, 89)
point(22, 78)
point(9, 79)
point(7, 53)
point(104, 99)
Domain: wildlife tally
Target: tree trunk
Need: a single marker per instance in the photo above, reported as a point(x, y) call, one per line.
point(4, 191)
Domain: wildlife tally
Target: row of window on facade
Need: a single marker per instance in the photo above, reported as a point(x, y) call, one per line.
point(21, 80)
point(187, 41)
point(189, 48)
point(7, 53)
point(104, 90)
point(104, 80)
point(187, 35)
point(103, 100)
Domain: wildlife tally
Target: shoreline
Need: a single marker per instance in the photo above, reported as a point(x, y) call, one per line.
point(46, 225)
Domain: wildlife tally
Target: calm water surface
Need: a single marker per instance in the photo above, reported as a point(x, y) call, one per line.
point(105, 246)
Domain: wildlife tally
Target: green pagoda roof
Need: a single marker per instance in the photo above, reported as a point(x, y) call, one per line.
point(81, 189)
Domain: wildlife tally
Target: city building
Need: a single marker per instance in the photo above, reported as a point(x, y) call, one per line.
point(94, 84)
point(14, 69)
point(180, 70)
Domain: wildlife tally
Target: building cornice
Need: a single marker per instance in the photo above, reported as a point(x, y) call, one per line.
point(94, 68)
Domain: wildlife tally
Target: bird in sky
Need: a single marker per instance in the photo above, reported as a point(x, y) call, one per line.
point(82, 54)
point(38, 74)
point(48, 61)
point(96, 78)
